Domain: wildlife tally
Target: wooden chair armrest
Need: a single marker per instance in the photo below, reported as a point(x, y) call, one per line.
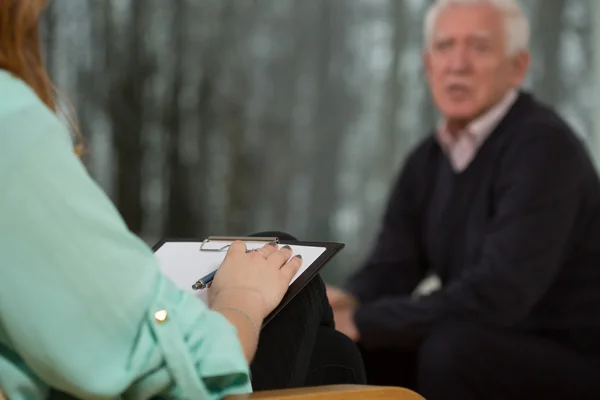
point(332, 392)
point(339, 392)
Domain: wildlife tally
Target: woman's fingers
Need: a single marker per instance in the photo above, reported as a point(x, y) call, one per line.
point(237, 247)
point(265, 251)
point(291, 268)
point(280, 257)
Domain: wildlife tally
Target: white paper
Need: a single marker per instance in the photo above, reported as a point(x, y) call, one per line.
point(184, 263)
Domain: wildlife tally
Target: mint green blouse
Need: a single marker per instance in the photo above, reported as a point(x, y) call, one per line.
point(79, 291)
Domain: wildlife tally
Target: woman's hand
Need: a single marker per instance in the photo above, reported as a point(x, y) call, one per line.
point(265, 273)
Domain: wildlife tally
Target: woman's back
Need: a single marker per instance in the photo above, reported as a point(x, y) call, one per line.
point(79, 292)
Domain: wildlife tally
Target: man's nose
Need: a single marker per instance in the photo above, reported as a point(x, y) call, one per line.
point(459, 61)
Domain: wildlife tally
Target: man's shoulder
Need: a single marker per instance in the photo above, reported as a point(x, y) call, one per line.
point(532, 117)
point(536, 125)
point(422, 151)
point(536, 130)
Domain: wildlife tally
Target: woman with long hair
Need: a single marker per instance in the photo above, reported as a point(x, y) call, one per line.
point(84, 308)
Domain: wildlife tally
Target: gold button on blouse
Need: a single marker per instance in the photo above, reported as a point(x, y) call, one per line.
point(160, 316)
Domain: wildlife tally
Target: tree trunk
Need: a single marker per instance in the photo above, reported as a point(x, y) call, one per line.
point(179, 214)
point(126, 108)
point(548, 85)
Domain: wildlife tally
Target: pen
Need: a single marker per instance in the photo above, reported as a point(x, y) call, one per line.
point(204, 281)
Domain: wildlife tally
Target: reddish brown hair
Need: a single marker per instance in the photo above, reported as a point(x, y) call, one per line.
point(20, 52)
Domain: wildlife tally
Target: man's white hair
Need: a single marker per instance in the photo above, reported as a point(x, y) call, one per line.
point(516, 25)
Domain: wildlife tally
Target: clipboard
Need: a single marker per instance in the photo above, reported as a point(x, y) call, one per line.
point(180, 257)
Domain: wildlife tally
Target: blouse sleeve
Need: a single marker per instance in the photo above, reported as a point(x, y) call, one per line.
point(82, 299)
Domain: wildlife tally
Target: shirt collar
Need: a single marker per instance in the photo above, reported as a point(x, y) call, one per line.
point(479, 129)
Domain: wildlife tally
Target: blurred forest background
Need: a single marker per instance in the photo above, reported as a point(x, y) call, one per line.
point(226, 117)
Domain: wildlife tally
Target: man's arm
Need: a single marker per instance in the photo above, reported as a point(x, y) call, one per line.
point(536, 206)
point(396, 265)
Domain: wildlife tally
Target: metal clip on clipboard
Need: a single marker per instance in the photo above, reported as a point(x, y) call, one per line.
point(211, 239)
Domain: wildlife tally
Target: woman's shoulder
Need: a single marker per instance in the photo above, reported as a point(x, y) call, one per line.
point(16, 95)
point(24, 120)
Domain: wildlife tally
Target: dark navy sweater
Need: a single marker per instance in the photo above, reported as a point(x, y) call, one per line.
point(515, 239)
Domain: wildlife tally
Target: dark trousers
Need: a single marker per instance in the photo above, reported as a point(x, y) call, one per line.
point(300, 346)
point(466, 361)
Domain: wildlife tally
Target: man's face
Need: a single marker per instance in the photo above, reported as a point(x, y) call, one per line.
point(467, 64)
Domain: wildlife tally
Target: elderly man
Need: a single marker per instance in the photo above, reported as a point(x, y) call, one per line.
point(503, 204)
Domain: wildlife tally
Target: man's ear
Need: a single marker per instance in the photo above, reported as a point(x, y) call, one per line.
point(427, 62)
point(521, 63)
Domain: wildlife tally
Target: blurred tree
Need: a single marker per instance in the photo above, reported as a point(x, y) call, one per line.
point(179, 217)
point(549, 83)
point(127, 76)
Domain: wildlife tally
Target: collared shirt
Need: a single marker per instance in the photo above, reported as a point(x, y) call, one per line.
point(462, 148)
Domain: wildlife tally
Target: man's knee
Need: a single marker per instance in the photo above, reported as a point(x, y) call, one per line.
point(450, 348)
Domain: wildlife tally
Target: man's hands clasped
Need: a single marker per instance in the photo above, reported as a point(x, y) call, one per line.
point(344, 306)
